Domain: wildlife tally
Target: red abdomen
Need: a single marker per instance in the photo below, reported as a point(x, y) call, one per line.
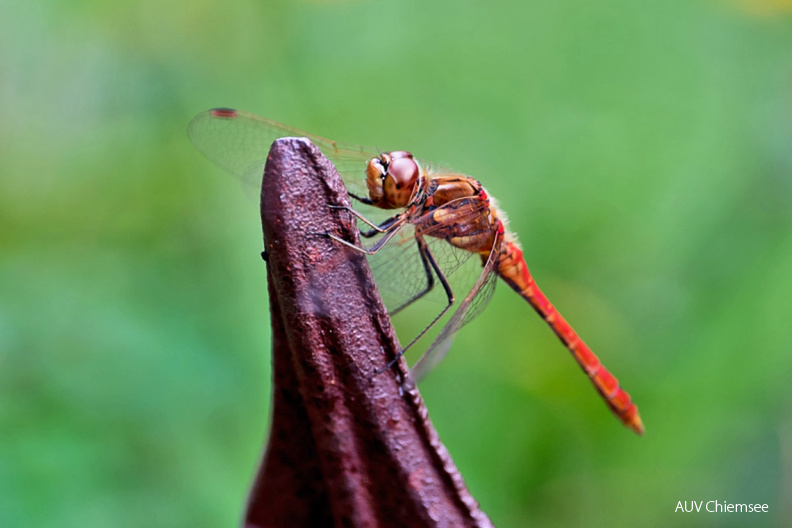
point(513, 270)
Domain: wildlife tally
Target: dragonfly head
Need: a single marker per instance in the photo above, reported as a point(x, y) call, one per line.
point(392, 179)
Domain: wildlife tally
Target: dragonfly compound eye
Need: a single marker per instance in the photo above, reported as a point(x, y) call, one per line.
point(399, 185)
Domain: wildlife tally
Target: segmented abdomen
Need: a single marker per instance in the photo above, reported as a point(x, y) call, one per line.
point(513, 270)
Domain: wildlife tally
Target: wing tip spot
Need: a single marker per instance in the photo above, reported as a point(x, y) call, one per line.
point(223, 113)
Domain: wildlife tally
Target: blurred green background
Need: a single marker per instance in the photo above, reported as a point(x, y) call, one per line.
point(643, 151)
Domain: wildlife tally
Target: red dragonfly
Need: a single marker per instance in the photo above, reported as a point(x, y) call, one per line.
point(449, 216)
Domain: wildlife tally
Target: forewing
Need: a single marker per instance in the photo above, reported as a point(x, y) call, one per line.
point(239, 142)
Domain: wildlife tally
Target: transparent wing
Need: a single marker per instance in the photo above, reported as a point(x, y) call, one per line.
point(403, 276)
point(471, 306)
point(239, 142)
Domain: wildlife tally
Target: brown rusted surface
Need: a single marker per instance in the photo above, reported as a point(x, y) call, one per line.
point(347, 447)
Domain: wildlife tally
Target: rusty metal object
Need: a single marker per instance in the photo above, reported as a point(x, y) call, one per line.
point(348, 446)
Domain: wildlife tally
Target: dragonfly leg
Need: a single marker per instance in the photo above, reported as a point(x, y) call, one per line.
point(380, 243)
point(376, 229)
point(361, 199)
point(429, 277)
point(426, 253)
point(381, 228)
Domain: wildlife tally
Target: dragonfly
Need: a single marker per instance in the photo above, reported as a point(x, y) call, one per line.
point(436, 220)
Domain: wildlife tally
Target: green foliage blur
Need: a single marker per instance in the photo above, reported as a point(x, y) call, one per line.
point(643, 151)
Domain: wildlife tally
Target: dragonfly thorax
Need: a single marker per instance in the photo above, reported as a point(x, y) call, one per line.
point(392, 179)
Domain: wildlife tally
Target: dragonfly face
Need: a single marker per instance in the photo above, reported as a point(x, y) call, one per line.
point(393, 179)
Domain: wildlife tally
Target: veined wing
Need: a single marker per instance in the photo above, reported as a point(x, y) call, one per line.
point(404, 276)
point(239, 143)
point(471, 306)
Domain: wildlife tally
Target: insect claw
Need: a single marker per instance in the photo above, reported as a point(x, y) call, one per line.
point(384, 369)
point(390, 364)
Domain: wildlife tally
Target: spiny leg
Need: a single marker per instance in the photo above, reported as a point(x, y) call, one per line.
point(449, 293)
point(392, 230)
point(429, 278)
point(376, 229)
point(382, 228)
